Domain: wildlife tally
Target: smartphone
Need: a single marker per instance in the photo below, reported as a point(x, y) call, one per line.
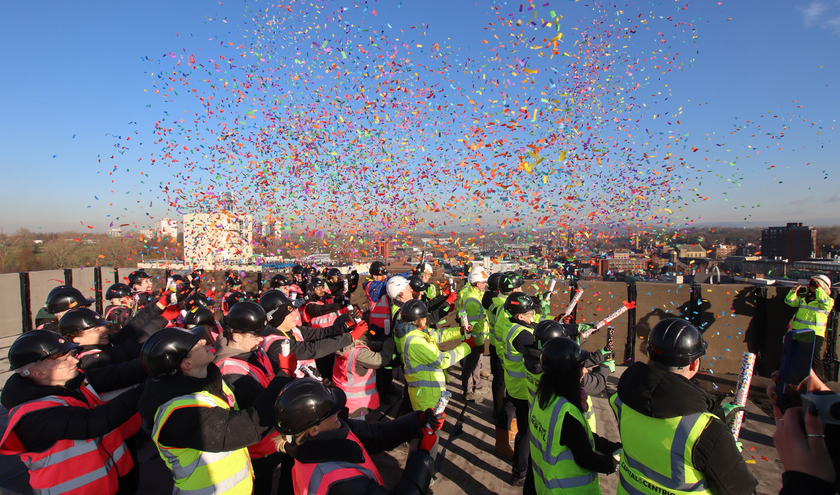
point(796, 367)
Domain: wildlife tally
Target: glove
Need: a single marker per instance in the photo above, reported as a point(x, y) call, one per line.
point(545, 307)
point(470, 342)
point(730, 409)
point(182, 292)
point(171, 312)
point(451, 297)
point(609, 364)
point(428, 419)
point(360, 329)
point(603, 352)
point(427, 440)
point(355, 314)
point(466, 330)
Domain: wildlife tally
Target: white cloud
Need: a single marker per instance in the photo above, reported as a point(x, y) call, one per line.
point(823, 15)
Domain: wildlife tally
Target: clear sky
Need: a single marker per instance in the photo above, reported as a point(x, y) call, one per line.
point(77, 79)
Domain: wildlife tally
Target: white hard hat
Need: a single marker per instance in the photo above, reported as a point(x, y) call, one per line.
point(477, 275)
point(822, 281)
point(395, 285)
point(425, 267)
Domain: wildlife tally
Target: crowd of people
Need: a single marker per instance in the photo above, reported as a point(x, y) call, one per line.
point(281, 379)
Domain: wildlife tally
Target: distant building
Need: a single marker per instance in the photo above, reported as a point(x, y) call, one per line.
point(212, 239)
point(115, 232)
point(694, 251)
point(793, 242)
point(621, 254)
point(385, 250)
point(166, 227)
point(723, 250)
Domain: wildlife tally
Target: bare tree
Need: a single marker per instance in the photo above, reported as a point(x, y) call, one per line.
point(62, 253)
point(116, 250)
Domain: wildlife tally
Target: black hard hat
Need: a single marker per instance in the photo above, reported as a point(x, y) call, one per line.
point(195, 300)
point(547, 330)
point(118, 290)
point(417, 284)
point(493, 282)
point(510, 281)
point(177, 278)
point(65, 297)
point(197, 277)
point(378, 268)
point(247, 316)
point(304, 403)
point(413, 310)
point(235, 297)
point(200, 316)
point(675, 342)
point(277, 306)
point(333, 272)
point(316, 282)
point(279, 280)
point(562, 354)
point(136, 276)
point(519, 303)
point(162, 353)
point(36, 346)
point(231, 279)
point(297, 270)
point(79, 319)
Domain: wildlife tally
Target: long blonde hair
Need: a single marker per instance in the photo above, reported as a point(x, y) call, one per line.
point(281, 440)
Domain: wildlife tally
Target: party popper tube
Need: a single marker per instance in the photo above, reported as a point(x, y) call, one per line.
point(742, 392)
point(615, 314)
point(573, 303)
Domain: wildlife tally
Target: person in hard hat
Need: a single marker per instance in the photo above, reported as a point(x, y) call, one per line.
point(247, 371)
point(518, 338)
point(306, 344)
point(142, 289)
point(423, 362)
point(503, 411)
point(69, 439)
point(469, 301)
point(119, 304)
point(60, 300)
point(812, 312)
point(424, 271)
point(198, 427)
point(332, 455)
point(566, 455)
point(672, 440)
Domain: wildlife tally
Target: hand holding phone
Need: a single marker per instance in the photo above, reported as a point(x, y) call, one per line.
point(796, 368)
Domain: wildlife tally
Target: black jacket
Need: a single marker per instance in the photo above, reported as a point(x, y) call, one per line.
point(125, 344)
point(314, 310)
point(317, 342)
point(334, 446)
point(209, 429)
point(487, 299)
point(39, 430)
point(661, 394)
point(245, 388)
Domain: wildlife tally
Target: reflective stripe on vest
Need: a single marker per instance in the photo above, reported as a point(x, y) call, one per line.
point(70, 466)
point(638, 478)
point(514, 365)
point(197, 472)
point(558, 471)
point(359, 389)
point(235, 366)
point(380, 314)
point(425, 381)
point(270, 339)
point(317, 478)
point(322, 321)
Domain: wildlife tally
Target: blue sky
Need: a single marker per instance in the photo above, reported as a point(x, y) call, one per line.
point(75, 75)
